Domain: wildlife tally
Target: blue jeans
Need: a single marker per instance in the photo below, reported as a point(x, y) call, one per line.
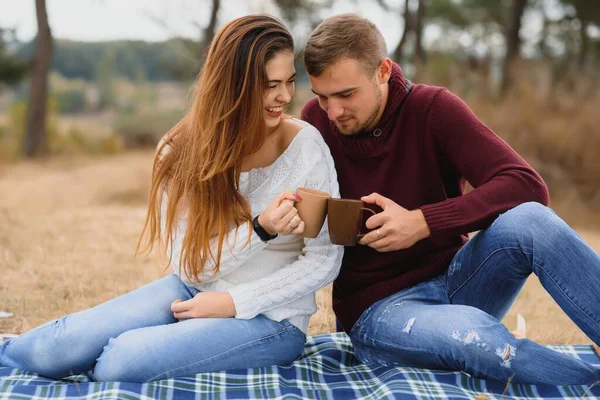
point(135, 338)
point(452, 322)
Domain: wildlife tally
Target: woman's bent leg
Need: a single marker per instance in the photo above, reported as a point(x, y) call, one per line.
point(198, 345)
point(71, 344)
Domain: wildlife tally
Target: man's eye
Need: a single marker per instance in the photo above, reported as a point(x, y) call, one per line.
point(345, 96)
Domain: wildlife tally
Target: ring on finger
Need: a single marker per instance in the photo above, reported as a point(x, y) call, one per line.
point(378, 234)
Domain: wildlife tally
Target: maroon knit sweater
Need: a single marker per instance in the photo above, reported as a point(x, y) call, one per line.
point(430, 144)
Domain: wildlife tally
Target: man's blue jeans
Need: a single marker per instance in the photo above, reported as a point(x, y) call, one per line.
point(452, 322)
point(136, 338)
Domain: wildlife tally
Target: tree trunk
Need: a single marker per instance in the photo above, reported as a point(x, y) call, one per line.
point(420, 55)
point(209, 32)
point(513, 42)
point(397, 55)
point(584, 45)
point(35, 135)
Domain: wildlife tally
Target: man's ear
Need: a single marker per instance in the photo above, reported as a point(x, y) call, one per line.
point(384, 71)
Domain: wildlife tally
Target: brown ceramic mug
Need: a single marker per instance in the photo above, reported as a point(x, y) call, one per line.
point(312, 209)
point(344, 220)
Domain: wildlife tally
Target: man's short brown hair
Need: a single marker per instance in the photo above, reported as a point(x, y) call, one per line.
point(345, 35)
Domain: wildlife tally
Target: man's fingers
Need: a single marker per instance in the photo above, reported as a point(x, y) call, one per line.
point(384, 249)
point(380, 244)
point(376, 198)
point(369, 238)
point(376, 220)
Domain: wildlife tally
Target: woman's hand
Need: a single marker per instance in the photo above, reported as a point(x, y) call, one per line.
point(281, 216)
point(205, 305)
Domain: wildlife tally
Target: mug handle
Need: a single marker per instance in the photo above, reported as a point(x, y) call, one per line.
point(361, 235)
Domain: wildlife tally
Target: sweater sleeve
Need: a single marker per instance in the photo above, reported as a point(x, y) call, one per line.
point(235, 251)
point(317, 266)
point(500, 177)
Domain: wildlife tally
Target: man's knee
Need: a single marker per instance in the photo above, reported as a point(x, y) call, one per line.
point(528, 219)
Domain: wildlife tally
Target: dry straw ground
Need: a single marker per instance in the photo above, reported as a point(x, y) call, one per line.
point(68, 231)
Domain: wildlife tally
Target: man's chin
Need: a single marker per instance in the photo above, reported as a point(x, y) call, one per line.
point(346, 130)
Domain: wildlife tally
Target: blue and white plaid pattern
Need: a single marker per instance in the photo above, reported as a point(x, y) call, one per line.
point(327, 370)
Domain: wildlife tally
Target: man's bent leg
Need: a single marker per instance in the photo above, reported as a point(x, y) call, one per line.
point(491, 268)
point(455, 337)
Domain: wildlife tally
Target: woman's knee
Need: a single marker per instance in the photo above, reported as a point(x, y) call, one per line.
point(52, 350)
point(122, 360)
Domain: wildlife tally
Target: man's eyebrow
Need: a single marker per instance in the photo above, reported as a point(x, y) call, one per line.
point(279, 80)
point(341, 92)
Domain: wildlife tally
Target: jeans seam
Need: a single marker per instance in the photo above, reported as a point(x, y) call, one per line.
point(479, 267)
point(241, 346)
point(568, 297)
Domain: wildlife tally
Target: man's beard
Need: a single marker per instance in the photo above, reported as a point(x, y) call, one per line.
point(372, 117)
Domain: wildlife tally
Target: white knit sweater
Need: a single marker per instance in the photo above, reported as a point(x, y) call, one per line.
point(279, 278)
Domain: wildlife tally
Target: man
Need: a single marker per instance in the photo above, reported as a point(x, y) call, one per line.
point(416, 292)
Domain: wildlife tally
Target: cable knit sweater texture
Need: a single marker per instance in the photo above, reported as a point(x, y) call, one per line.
point(278, 278)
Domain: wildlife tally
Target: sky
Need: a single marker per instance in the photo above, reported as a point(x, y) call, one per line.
point(156, 20)
point(99, 20)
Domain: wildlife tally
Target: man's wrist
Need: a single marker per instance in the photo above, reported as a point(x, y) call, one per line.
point(423, 230)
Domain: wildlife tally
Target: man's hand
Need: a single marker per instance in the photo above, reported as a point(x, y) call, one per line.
point(395, 228)
point(205, 305)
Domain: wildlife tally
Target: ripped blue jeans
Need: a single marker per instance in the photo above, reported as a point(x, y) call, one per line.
point(452, 322)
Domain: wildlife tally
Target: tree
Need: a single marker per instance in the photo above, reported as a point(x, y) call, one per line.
point(588, 13)
point(211, 28)
point(191, 53)
point(414, 21)
point(12, 70)
point(104, 76)
point(420, 55)
point(513, 41)
point(35, 134)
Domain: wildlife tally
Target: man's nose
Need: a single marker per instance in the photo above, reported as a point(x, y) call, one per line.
point(334, 111)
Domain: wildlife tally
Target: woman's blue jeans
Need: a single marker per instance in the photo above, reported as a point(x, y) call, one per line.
point(452, 322)
point(135, 338)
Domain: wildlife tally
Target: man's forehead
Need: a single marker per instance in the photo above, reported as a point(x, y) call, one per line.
point(343, 68)
point(340, 76)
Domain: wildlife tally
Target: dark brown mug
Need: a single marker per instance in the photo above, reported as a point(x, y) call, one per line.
point(344, 220)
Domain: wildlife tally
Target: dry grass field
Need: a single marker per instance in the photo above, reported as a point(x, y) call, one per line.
point(69, 227)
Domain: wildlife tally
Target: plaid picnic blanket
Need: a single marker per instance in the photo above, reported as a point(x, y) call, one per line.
point(327, 370)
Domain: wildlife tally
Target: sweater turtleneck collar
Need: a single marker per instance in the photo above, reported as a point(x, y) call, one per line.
point(399, 87)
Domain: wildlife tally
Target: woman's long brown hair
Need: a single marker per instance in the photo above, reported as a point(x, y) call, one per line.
point(200, 172)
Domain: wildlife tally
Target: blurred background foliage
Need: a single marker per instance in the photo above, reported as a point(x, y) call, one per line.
point(528, 68)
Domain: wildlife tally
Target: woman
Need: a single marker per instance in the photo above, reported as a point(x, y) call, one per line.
point(245, 281)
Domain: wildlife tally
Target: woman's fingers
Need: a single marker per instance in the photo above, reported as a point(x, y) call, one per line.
point(299, 229)
point(183, 315)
